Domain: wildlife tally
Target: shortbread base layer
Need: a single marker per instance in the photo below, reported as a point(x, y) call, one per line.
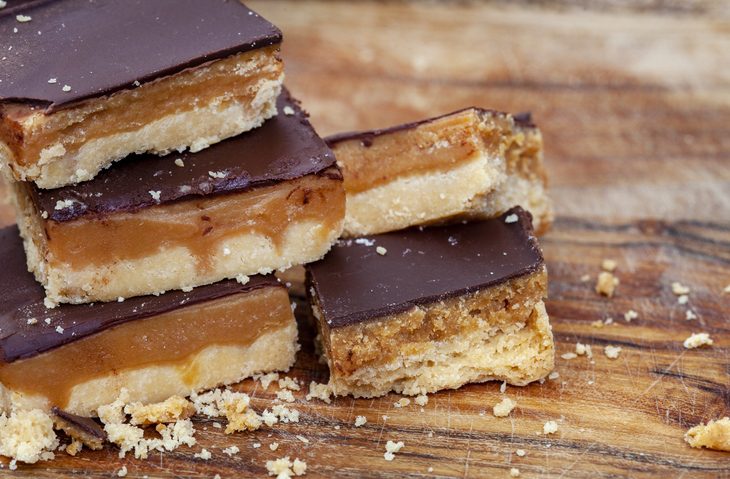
point(183, 244)
point(196, 348)
point(502, 333)
point(189, 110)
point(470, 164)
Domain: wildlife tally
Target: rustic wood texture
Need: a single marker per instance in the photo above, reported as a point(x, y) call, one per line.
point(635, 110)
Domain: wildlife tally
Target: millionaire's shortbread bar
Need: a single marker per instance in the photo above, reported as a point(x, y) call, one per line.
point(79, 357)
point(429, 308)
point(268, 199)
point(83, 84)
point(469, 164)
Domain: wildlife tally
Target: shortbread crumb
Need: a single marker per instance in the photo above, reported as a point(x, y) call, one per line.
point(122, 472)
point(521, 452)
point(274, 446)
point(504, 408)
point(285, 395)
point(608, 265)
point(690, 315)
point(630, 314)
point(511, 219)
point(204, 454)
point(179, 162)
point(421, 400)
point(360, 421)
point(171, 410)
point(569, 356)
point(265, 379)
point(403, 402)
point(612, 351)
point(606, 284)
point(682, 299)
point(514, 472)
point(697, 340)
point(289, 383)
point(74, 448)
point(391, 448)
point(283, 468)
point(585, 278)
point(380, 250)
point(319, 391)
point(679, 290)
point(584, 349)
point(231, 450)
point(715, 435)
point(550, 427)
point(554, 375)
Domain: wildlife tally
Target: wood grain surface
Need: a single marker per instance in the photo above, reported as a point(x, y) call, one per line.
point(634, 106)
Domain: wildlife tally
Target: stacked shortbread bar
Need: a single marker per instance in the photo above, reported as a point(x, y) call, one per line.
point(160, 174)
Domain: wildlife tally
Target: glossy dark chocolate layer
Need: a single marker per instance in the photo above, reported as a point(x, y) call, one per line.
point(523, 120)
point(284, 148)
point(421, 265)
point(22, 300)
point(85, 424)
point(97, 47)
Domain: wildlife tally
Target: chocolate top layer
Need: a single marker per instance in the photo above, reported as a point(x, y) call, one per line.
point(97, 47)
point(523, 120)
point(285, 147)
point(354, 283)
point(22, 301)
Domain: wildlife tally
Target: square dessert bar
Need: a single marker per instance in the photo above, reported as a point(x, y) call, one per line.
point(473, 163)
point(78, 357)
point(83, 84)
point(430, 308)
point(268, 199)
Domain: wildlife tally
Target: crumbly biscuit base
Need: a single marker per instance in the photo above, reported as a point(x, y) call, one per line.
point(214, 366)
point(312, 210)
point(501, 333)
point(189, 110)
point(471, 164)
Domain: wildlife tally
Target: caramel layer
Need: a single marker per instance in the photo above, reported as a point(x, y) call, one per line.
point(435, 146)
point(200, 225)
point(167, 339)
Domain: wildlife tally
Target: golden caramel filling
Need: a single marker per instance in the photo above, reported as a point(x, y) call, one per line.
point(200, 225)
point(28, 132)
point(169, 339)
point(388, 339)
point(435, 146)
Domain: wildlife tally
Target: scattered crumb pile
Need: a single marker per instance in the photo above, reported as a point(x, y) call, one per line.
point(697, 340)
point(715, 435)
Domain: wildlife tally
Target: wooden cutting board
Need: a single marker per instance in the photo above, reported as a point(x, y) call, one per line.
point(635, 111)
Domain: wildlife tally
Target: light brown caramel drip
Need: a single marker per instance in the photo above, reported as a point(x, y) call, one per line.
point(129, 110)
point(199, 225)
point(436, 146)
point(168, 339)
point(386, 340)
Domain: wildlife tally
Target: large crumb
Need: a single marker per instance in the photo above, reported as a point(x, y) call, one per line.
point(612, 351)
point(504, 408)
point(289, 383)
point(171, 410)
point(715, 435)
point(27, 436)
point(421, 400)
point(360, 421)
point(606, 284)
point(266, 379)
point(319, 391)
point(697, 340)
point(550, 427)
